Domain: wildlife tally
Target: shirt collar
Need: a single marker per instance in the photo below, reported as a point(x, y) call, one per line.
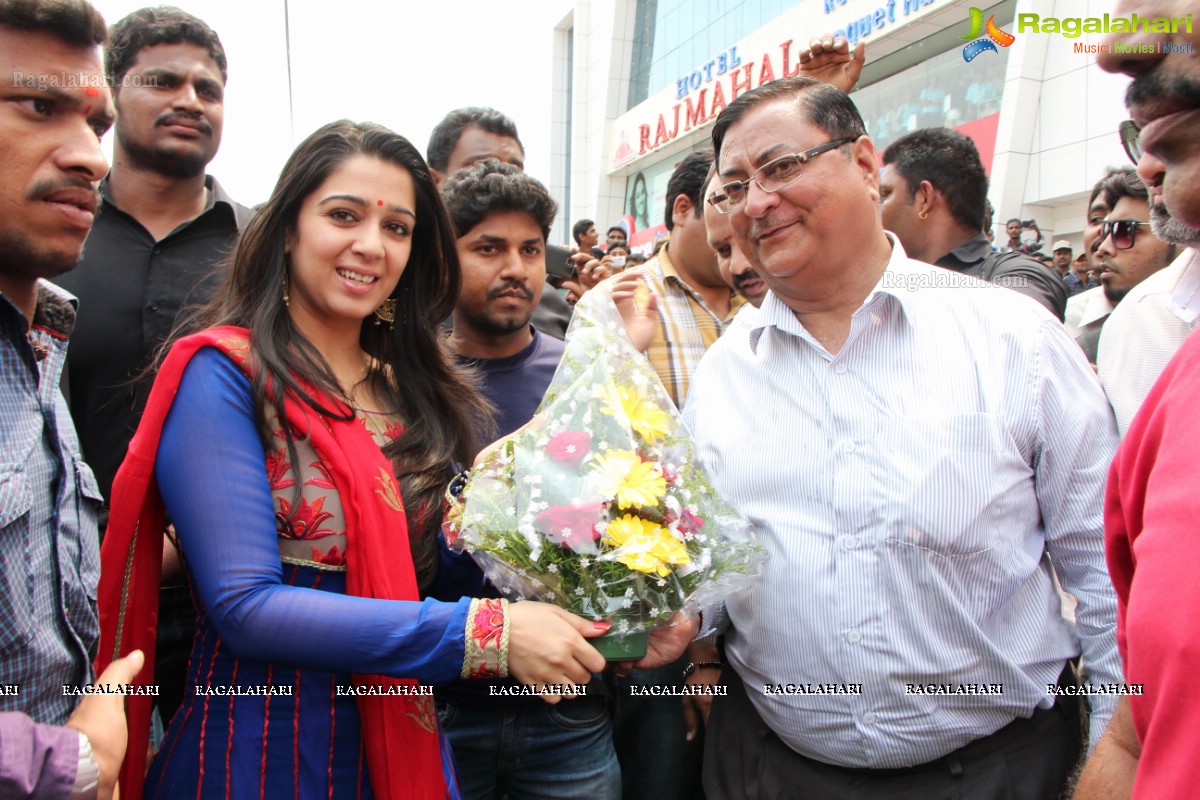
point(1096, 306)
point(215, 194)
point(669, 273)
point(895, 286)
point(54, 311)
point(1185, 303)
point(970, 252)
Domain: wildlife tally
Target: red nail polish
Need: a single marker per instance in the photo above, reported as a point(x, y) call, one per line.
point(601, 627)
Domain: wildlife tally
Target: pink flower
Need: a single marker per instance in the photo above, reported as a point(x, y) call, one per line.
point(689, 523)
point(570, 447)
point(572, 526)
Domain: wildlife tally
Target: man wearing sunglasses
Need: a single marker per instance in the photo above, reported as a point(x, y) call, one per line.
point(1146, 330)
point(1126, 253)
point(930, 441)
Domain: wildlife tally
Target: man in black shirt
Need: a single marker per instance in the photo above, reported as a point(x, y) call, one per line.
point(933, 190)
point(152, 255)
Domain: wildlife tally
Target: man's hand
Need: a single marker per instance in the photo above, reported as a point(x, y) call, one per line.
point(637, 305)
point(666, 644)
point(101, 717)
point(831, 60)
point(1109, 773)
point(697, 706)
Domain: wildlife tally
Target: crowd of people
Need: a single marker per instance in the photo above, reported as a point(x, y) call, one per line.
point(228, 438)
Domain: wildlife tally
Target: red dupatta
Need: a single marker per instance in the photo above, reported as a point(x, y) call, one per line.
point(403, 749)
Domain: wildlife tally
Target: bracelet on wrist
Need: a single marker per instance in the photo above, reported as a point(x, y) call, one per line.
point(690, 668)
point(457, 484)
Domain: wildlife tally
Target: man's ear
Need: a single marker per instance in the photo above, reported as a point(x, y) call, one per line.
point(867, 161)
point(927, 197)
point(682, 209)
point(438, 177)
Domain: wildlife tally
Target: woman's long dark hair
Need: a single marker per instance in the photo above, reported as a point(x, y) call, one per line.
point(415, 376)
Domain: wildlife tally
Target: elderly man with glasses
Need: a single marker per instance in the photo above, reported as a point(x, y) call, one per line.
point(930, 439)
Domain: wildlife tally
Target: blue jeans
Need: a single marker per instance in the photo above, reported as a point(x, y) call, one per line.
point(534, 752)
point(657, 761)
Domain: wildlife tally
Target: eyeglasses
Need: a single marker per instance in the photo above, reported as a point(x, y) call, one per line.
point(1131, 139)
point(776, 174)
point(1122, 231)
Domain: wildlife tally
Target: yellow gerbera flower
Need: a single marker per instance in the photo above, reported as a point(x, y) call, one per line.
point(645, 417)
point(621, 474)
point(645, 546)
point(644, 485)
point(669, 550)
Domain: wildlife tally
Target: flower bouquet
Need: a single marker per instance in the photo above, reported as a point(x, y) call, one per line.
point(600, 505)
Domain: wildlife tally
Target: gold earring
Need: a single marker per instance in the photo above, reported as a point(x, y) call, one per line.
point(386, 312)
point(286, 299)
point(924, 215)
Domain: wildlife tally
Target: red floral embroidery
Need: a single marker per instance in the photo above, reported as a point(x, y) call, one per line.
point(306, 522)
point(486, 640)
point(394, 430)
point(277, 470)
point(324, 481)
point(489, 624)
point(333, 557)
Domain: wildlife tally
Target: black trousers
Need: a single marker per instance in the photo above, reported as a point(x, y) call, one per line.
point(1029, 759)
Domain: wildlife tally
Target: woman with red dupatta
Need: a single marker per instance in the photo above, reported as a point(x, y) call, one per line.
point(299, 445)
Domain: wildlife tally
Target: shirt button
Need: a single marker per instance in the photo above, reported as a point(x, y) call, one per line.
point(849, 542)
point(840, 369)
point(854, 636)
point(154, 306)
point(869, 718)
point(848, 447)
point(156, 250)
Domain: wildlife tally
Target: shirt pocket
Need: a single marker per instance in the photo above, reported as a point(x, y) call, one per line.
point(942, 488)
point(16, 578)
point(89, 502)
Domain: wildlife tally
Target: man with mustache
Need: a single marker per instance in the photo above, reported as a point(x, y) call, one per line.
point(1125, 250)
point(929, 446)
point(1151, 506)
point(734, 266)
point(51, 743)
point(1143, 333)
point(152, 255)
point(469, 135)
point(565, 751)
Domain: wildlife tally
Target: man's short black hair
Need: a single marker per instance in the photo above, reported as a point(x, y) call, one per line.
point(616, 228)
point(75, 22)
point(147, 27)
point(689, 178)
point(580, 228)
point(822, 105)
point(1011, 221)
point(950, 162)
point(447, 133)
point(988, 212)
point(489, 187)
point(1118, 182)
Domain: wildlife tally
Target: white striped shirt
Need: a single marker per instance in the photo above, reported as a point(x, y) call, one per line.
point(907, 491)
